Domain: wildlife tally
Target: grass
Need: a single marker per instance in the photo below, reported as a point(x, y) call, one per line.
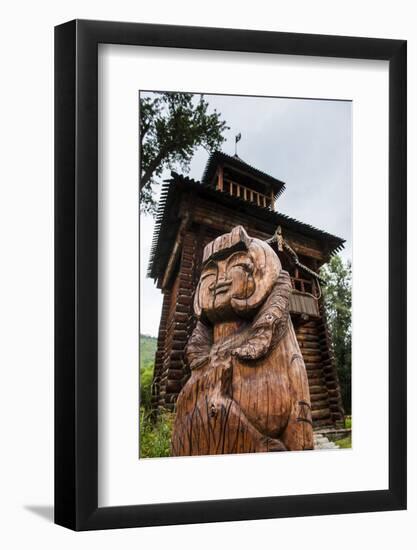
point(154, 430)
point(147, 356)
point(155, 434)
point(345, 443)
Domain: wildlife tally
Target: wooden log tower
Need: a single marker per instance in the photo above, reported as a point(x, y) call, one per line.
point(193, 213)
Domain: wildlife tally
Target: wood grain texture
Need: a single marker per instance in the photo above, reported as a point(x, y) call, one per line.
point(248, 390)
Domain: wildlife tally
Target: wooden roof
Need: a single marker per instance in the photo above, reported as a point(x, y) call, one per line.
point(167, 220)
point(236, 163)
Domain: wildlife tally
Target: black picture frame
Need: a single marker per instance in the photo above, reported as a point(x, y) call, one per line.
point(76, 272)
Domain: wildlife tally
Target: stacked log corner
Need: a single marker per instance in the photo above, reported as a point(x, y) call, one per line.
point(330, 372)
point(176, 325)
point(315, 346)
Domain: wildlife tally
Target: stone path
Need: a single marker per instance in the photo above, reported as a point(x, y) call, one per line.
point(321, 442)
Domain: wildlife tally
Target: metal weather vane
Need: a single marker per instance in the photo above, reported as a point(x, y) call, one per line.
point(238, 137)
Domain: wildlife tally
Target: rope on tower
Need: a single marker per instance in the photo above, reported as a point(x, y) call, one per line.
point(282, 245)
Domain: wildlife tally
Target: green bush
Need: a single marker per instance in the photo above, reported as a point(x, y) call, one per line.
point(155, 434)
point(154, 428)
point(147, 350)
point(146, 377)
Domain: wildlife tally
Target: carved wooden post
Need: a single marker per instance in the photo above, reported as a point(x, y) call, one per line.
point(248, 390)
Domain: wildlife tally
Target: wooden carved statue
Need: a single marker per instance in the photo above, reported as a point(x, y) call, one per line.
point(248, 391)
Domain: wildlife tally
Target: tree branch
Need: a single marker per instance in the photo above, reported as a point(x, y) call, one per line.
point(153, 165)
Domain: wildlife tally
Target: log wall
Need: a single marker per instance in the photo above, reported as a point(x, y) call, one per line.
point(177, 323)
point(326, 404)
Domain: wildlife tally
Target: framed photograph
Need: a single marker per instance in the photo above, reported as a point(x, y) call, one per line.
point(230, 255)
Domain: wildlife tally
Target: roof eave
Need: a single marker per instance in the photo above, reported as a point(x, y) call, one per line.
point(335, 243)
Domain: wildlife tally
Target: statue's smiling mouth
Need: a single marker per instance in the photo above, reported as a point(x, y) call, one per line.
point(221, 288)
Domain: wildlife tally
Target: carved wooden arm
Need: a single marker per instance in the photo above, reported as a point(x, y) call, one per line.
point(198, 348)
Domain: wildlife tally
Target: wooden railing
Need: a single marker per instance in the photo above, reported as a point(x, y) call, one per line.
point(304, 297)
point(243, 192)
point(304, 285)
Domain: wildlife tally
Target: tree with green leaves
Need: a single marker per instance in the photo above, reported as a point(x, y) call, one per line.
point(337, 294)
point(172, 126)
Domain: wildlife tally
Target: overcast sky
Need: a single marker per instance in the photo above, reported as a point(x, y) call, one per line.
point(305, 143)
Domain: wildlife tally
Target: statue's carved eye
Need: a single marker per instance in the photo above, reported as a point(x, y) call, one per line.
point(209, 270)
point(206, 274)
point(241, 261)
point(246, 266)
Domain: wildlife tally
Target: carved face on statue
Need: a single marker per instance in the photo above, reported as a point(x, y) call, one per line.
point(237, 275)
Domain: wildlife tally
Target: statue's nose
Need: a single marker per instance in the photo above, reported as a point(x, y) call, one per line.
point(220, 282)
point(221, 278)
point(221, 273)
